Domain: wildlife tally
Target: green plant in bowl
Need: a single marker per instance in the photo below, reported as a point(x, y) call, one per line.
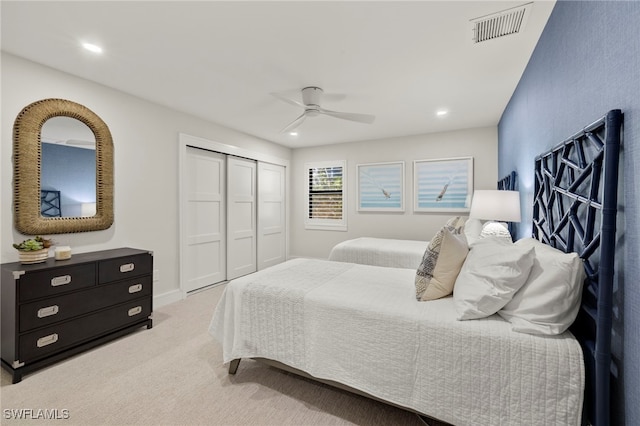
point(33, 244)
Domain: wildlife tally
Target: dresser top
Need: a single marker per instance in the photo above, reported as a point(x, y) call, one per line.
point(75, 259)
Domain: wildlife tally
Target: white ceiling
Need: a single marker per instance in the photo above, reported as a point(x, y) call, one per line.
point(400, 61)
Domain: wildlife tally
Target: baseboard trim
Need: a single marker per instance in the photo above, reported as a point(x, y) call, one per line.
point(167, 298)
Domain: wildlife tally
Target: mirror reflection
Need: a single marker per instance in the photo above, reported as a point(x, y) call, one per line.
point(68, 169)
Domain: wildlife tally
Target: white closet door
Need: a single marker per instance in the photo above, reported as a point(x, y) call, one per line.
point(271, 215)
point(205, 251)
point(241, 214)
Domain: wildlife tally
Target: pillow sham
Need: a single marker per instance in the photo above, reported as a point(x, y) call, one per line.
point(549, 301)
point(494, 270)
point(441, 262)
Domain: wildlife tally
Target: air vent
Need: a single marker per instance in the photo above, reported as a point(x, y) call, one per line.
point(500, 24)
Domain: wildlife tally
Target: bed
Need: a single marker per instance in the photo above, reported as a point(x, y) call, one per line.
point(402, 253)
point(380, 252)
point(360, 326)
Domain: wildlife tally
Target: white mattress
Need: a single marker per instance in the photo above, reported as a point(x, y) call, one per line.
point(380, 252)
point(361, 326)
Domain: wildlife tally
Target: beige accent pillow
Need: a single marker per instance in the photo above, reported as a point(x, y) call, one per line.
point(441, 262)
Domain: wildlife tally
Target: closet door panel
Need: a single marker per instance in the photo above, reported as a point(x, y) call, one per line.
point(241, 214)
point(271, 215)
point(205, 251)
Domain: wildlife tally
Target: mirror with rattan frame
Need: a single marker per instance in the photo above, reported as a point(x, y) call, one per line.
point(27, 160)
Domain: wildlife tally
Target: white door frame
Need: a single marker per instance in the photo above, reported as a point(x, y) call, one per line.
point(184, 141)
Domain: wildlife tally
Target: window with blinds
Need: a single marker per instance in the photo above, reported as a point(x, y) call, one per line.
point(325, 196)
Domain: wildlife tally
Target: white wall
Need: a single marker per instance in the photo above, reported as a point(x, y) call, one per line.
point(481, 144)
point(145, 138)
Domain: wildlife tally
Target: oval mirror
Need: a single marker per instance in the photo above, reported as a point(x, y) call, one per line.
point(63, 169)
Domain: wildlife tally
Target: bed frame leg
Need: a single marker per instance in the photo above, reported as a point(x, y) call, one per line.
point(233, 366)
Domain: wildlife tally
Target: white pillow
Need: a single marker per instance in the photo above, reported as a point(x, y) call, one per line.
point(472, 230)
point(494, 270)
point(549, 301)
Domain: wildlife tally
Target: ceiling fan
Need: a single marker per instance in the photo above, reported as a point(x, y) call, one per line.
point(311, 98)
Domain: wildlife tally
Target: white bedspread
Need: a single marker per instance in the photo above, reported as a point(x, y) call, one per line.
point(380, 252)
point(361, 326)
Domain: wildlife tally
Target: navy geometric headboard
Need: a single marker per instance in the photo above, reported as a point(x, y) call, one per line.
point(508, 183)
point(575, 207)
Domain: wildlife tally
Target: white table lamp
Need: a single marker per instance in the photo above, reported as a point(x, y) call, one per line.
point(495, 206)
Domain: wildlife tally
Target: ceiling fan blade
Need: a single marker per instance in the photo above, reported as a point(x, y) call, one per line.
point(288, 100)
point(361, 118)
point(295, 123)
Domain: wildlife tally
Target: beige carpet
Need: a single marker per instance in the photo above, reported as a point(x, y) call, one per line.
point(173, 375)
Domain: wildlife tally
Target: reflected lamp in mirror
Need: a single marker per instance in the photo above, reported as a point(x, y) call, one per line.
point(87, 209)
point(497, 208)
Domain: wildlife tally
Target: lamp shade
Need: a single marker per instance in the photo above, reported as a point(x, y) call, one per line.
point(501, 206)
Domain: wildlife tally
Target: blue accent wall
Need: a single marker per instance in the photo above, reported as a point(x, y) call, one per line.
point(586, 63)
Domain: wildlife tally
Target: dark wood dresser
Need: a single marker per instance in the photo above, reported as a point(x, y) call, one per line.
point(59, 308)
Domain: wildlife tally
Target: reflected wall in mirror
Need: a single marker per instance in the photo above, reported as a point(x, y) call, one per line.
point(68, 169)
point(57, 142)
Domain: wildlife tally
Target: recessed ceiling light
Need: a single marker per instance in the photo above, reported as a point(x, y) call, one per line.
point(92, 47)
point(442, 112)
point(294, 133)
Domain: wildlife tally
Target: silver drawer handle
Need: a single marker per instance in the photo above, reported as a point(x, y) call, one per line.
point(48, 311)
point(135, 288)
point(135, 311)
point(61, 280)
point(47, 340)
point(127, 267)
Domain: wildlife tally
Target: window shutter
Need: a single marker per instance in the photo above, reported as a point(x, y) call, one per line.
point(325, 193)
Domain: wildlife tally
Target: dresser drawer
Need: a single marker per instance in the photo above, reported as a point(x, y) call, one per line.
point(124, 267)
point(54, 338)
point(49, 311)
point(54, 281)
